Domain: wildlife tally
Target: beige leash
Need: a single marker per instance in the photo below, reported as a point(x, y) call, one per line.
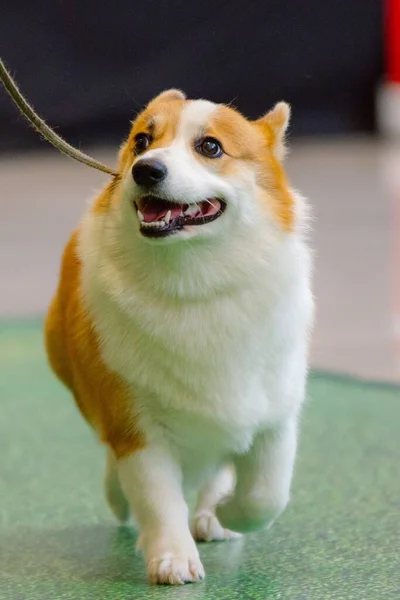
point(47, 132)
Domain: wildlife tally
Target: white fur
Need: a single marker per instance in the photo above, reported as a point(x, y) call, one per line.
point(152, 482)
point(210, 330)
point(115, 496)
point(206, 526)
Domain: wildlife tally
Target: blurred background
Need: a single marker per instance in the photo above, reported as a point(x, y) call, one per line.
point(89, 67)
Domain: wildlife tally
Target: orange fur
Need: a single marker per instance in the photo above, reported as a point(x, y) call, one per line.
point(103, 201)
point(274, 124)
point(255, 143)
point(160, 119)
point(73, 351)
point(239, 139)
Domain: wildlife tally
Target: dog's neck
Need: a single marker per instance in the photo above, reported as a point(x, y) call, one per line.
point(181, 271)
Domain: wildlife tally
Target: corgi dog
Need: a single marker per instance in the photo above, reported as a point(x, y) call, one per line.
point(181, 326)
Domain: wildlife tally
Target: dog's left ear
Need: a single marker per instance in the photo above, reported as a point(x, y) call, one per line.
point(274, 125)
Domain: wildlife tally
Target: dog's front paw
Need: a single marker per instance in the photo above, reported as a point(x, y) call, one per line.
point(207, 528)
point(170, 569)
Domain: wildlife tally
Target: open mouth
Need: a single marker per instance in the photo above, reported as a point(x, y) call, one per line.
point(159, 217)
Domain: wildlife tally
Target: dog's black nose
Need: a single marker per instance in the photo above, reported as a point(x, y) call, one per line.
point(149, 172)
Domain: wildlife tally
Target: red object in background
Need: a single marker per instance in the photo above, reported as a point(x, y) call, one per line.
point(392, 35)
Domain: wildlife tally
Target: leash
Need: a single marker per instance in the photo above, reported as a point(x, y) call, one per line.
point(45, 130)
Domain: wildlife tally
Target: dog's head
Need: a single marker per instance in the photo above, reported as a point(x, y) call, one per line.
point(192, 169)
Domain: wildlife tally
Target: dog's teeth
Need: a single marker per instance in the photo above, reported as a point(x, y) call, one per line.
point(153, 225)
point(191, 210)
point(167, 217)
point(141, 217)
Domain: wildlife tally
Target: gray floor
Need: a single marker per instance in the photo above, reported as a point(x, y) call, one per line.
point(352, 187)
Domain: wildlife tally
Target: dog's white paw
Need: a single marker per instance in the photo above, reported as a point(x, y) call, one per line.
point(169, 569)
point(207, 528)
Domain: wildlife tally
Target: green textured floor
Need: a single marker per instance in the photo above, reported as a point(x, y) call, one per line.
point(340, 538)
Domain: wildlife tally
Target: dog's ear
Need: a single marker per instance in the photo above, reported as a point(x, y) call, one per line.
point(168, 95)
point(274, 125)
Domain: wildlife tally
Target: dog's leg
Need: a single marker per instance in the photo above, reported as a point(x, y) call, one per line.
point(206, 527)
point(115, 496)
point(152, 481)
point(264, 477)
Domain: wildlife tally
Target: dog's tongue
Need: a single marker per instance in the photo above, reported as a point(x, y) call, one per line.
point(155, 209)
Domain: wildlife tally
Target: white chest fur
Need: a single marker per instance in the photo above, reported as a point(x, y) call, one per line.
point(209, 371)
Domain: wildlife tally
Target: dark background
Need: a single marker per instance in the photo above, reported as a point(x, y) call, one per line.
point(88, 66)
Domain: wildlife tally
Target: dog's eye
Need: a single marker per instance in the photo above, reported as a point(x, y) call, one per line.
point(142, 142)
point(209, 147)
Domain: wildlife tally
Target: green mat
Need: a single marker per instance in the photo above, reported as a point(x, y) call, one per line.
point(339, 539)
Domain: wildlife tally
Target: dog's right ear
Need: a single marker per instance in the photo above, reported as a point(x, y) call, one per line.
point(167, 95)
